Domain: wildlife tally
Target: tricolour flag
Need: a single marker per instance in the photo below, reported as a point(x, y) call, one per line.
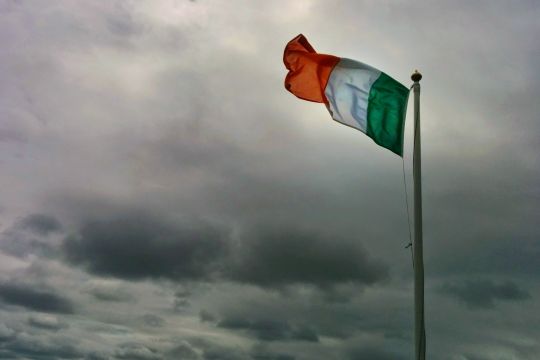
point(356, 94)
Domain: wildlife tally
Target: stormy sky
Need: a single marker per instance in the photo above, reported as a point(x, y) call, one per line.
point(162, 196)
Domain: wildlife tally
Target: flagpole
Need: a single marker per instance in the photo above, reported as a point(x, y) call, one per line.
point(418, 256)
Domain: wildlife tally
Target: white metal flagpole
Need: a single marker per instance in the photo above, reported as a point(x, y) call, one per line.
point(418, 255)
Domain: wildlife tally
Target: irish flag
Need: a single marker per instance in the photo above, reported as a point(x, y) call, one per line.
point(355, 94)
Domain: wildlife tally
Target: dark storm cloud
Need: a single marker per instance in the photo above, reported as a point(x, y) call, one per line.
point(374, 353)
point(270, 356)
point(34, 298)
point(213, 351)
point(307, 316)
point(41, 224)
point(217, 352)
point(6, 333)
point(277, 257)
point(207, 316)
point(476, 357)
point(110, 293)
point(27, 346)
point(483, 294)
point(490, 254)
point(270, 329)
point(262, 352)
point(138, 247)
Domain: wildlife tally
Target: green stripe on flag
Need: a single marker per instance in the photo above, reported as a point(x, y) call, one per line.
point(387, 105)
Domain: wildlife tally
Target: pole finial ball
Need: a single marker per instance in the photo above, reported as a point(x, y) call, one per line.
point(416, 76)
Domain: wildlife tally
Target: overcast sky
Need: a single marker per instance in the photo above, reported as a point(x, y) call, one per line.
point(162, 196)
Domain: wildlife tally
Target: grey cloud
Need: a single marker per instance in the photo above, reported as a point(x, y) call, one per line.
point(373, 353)
point(178, 108)
point(305, 334)
point(122, 24)
point(31, 235)
point(274, 258)
point(6, 333)
point(224, 353)
point(305, 314)
point(97, 356)
point(270, 330)
point(113, 25)
point(270, 356)
point(136, 351)
point(34, 298)
point(475, 357)
point(7, 135)
point(181, 296)
point(46, 322)
point(262, 352)
point(21, 245)
point(211, 350)
point(181, 304)
point(207, 316)
point(483, 294)
point(141, 246)
point(183, 351)
point(153, 320)
point(138, 247)
point(259, 351)
point(41, 224)
point(114, 294)
point(29, 346)
point(490, 255)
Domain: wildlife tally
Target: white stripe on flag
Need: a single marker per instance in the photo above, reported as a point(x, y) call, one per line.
point(347, 92)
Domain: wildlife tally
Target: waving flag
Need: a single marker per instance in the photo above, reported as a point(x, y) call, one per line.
point(355, 94)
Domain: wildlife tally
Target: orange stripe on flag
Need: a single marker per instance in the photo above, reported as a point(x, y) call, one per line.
point(308, 71)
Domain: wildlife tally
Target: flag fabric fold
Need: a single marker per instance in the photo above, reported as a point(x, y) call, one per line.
point(354, 93)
